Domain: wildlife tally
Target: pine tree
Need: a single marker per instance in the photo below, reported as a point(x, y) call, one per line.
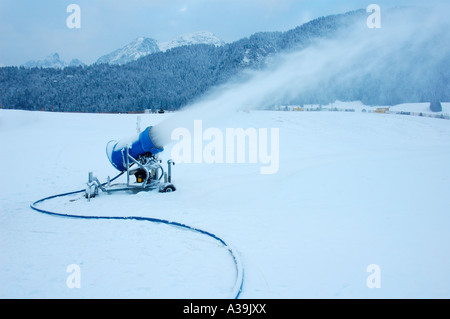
point(436, 106)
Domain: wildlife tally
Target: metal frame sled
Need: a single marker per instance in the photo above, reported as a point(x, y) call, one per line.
point(149, 175)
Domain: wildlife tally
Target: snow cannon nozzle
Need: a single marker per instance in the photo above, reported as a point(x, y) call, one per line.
point(143, 143)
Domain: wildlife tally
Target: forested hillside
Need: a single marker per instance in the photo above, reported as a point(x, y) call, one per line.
point(176, 77)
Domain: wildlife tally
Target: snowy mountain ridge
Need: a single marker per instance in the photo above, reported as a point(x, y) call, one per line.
point(134, 50)
point(201, 37)
point(52, 61)
point(144, 46)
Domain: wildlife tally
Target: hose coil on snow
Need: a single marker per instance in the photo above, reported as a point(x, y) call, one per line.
point(237, 289)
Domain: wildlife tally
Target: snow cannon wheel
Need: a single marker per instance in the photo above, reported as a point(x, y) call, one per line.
point(91, 191)
point(167, 189)
point(89, 195)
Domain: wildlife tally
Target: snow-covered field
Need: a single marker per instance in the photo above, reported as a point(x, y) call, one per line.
point(352, 190)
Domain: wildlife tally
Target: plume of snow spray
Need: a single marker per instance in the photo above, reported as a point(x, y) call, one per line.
point(354, 53)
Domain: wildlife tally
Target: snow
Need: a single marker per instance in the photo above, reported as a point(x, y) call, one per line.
point(352, 190)
point(420, 108)
point(143, 46)
point(52, 61)
point(138, 48)
point(200, 37)
point(358, 106)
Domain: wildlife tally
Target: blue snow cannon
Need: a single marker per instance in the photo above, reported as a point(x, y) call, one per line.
point(136, 146)
point(135, 156)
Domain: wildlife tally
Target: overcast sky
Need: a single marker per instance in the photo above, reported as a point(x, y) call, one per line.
point(31, 29)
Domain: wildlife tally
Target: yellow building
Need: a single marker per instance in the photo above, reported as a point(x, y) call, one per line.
point(381, 110)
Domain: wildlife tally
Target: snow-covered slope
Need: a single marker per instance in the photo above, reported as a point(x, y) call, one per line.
point(202, 37)
point(136, 49)
point(352, 190)
point(52, 61)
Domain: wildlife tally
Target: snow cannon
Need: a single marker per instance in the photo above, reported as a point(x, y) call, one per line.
point(139, 145)
point(136, 156)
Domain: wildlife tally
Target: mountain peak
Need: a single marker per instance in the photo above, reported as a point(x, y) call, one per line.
point(143, 46)
point(136, 49)
point(51, 61)
point(200, 37)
